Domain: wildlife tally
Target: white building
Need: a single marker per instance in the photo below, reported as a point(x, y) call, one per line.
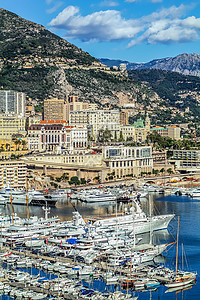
point(12, 102)
point(78, 136)
point(125, 161)
point(13, 173)
point(51, 136)
point(97, 120)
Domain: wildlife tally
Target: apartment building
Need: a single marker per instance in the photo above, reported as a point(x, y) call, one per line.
point(11, 125)
point(13, 173)
point(124, 119)
point(97, 120)
point(12, 102)
point(78, 106)
point(186, 159)
point(54, 109)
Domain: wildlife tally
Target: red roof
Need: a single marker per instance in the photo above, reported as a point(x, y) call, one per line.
point(53, 122)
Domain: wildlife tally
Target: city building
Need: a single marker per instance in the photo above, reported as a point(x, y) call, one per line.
point(131, 161)
point(13, 173)
point(82, 163)
point(160, 160)
point(96, 121)
point(29, 110)
point(123, 118)
point(54, 109)
point(122, 67)
point(12, 125)
point(13, 148)
point(120, 161)
point(78, 106)
point(173, 132)
point(188, 160)
point(55, 136)
point(138, 131)
point(31, 120)
point(12, 102)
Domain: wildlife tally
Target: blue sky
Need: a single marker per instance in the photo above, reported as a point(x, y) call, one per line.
point(133, 30)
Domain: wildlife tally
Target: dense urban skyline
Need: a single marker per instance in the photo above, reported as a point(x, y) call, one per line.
point(134, 30)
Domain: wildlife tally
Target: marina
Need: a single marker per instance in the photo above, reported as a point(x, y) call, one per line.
point(74, 251)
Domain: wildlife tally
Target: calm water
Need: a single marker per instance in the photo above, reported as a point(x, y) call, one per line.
point(189, 212)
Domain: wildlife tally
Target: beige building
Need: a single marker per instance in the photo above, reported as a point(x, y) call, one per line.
point(97, 120)
point(11, 125)
point(75, 159)
point(173, 132)
point(188, 160)
point(13, 173)
point(35, 119)
point(138, 131)
point(77, 163)
point(78, 106)
point(124, 118)
point(123, 161)
point(54, 109)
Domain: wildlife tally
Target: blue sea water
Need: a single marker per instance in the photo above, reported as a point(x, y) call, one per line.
point(188, 211)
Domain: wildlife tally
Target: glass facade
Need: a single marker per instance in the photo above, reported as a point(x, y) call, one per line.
point(12, 102)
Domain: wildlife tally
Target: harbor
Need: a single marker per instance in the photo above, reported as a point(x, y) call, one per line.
point(75, 247)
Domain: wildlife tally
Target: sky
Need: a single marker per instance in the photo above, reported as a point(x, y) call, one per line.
point(132, 30)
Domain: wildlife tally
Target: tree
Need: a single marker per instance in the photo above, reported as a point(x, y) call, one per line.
point(162, 170)
point(121, 139)
point(83, 181)
point(74, 180)
point(23, 144)
point(169, 171)
point(104, 135)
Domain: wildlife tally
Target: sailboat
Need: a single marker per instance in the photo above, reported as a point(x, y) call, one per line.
point(182, 278)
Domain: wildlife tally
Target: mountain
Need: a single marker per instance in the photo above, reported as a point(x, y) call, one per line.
point(187, 64)
point(41, 64)
point(170, 86)
point(19, 38)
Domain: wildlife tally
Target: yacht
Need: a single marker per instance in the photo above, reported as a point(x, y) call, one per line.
point(195, 193)
point(18, 196)
point(38, 198)
point(99, 196)
point(137, 221)
point(3, 200)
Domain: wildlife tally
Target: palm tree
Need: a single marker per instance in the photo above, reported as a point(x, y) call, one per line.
point(8, 147)
point(24, 144)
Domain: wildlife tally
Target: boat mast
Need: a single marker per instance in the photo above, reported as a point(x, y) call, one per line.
point(177, 249)
point(11, 202)
point(27, 206)
point(27, 198)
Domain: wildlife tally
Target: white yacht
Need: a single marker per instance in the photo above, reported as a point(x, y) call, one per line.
point(3, 200)
point(18, 196)
point(137, 221)
point(99, 196)
point(195, 193)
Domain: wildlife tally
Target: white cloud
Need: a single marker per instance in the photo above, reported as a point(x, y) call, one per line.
point(156, 1)
point(49, 1)
point(102, 26)
point(109, 3)
point(54, 8)
point(166, 26)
